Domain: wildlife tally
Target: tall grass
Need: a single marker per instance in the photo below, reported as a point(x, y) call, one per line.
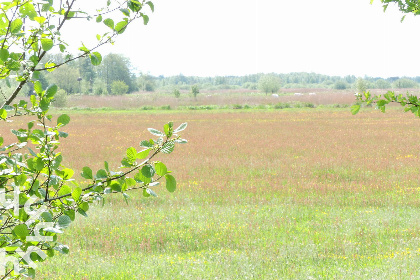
point(261, 195)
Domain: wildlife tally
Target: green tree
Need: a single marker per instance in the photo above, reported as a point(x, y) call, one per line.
point(87, 72)
point(66, 77)
point(116, 67)
point(340, 85)
point(37, 201)
point(119, 88)
point(269, 84)
point(360, 85)
point(176, 93)
point(195, 90)
point(382, 84)
point(146, 82)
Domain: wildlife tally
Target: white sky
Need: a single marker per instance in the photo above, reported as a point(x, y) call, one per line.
point(239, 37)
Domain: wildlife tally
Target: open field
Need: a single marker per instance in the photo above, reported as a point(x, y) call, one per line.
point(290, 194)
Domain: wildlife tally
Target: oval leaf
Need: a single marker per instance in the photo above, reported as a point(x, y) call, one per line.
point(170, 183)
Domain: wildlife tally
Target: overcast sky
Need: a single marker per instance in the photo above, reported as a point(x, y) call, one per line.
point(239, 37)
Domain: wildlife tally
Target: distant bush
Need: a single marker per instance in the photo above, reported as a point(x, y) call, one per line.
point(360, 85)
point(147, 108)
point(99, 88)
point(119, 88)
point(237, 106)
point(297, 104)
point(167, 107)
point(60, 99)
point(247, 106)
point(281, 105)
point(195, 91)
point(340, 85)
point(176, 93)
point(250, 85)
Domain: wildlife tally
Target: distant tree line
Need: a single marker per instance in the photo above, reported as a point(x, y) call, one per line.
point(116, 76)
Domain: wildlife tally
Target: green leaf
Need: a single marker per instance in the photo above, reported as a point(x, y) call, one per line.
point(355, 109)
point(101, 174)
point(140, 178)
point(1, 141)
point(40, 20)
point(168, 129)
point(151, 192)
point(3, 114)
point(87, 173)
point(64, 190)
point(28, 10)
point(148, 171)
point(63, 119)
point(67, 173)
point(143, 154)
point(170, 183)
point(21, 231)
point(145, 19)
point(121, 27)
point(126, 12)
point(16, 25)
point(99, 18)
point(161, 169)
point(76, 193)
point(168, 148)
point(155, 132)
point(116, 187)
point(62, 47)
point(50, 66)
point(152, 7)
point(146, 144)
point(4, 54)
point(63, 249)
point(109, 22)
point(106, 166)
point(181, 128)
point(145, 193)
point(47, 217)
point(64, 221)
point(47, 44)
point(130, 182)
point(51, 91)
point(38, 88)
point(131, 154)
point(95, 58)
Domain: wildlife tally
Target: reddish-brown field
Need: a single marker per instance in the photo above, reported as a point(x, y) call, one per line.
point(315, 150)
point(289, 194)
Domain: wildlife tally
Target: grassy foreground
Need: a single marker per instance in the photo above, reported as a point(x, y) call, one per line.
point(261, 195)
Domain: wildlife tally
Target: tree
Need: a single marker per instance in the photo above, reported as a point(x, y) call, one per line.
point(195, 91)
point(176, 92)
point(119, 88)
point(382, 84)
point(269, 84)
point(116, 67)
point(66, 78)
point(340, 85)
point(37, 199)
point(87, 72)
point(360, 85)
point(146, 82)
